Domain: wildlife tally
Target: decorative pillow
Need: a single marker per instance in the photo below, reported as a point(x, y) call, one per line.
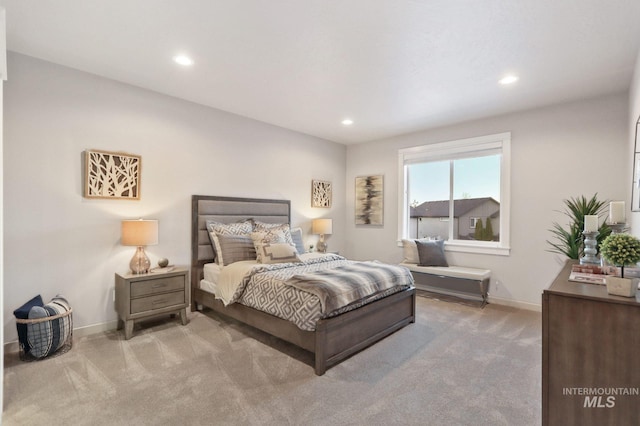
point(269, 236)
point(261, 226)
point(239, 228)
point(410, 250)
point(431, 253)
point(278, 253)
point(234, 248)
point(296, 237)
point(23, 313)
point(46, 337)
point(283, 227)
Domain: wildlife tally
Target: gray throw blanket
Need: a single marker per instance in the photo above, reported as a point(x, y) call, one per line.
point(347, 284)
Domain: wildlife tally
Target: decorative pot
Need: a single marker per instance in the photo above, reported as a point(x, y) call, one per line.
point(625, 287)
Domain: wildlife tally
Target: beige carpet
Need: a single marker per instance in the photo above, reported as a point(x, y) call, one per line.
point(457, 365)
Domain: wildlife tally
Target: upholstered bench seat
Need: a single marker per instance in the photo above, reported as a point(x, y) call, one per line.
point(456, 280)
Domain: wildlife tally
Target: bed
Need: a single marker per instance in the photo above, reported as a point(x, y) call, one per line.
point(333, 339)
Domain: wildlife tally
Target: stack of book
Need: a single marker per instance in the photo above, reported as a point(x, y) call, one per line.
point(591, 274)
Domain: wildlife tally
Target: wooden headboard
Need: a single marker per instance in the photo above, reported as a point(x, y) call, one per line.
point(227, 210)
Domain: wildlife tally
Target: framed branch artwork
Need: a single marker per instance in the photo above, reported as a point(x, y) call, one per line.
point(369, 200)
point(112, 175)
point(320, 193)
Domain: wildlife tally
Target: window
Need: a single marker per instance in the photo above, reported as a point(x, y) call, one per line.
point(445, 186)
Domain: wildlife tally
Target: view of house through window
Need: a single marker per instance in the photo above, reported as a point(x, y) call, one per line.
point(475, 185)
point(457, 191)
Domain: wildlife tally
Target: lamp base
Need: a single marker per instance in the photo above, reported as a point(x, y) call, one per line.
point(140, 263)
point(322, 246)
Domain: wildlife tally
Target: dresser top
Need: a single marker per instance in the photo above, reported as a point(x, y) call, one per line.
point(563, 287)
point(177, 270)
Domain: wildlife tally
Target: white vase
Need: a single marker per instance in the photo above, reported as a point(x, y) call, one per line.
point(625, 287)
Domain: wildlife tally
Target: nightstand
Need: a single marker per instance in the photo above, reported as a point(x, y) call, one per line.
point(141, 296)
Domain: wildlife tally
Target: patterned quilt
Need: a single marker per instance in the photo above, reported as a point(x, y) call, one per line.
point(276, 289)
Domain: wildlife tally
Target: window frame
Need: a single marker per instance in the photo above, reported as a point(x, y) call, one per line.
point(452, 150)
point(473, 222)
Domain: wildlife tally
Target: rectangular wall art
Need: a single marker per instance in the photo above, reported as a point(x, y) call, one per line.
point(320, 193)
point(369, 200)
point(112, 175)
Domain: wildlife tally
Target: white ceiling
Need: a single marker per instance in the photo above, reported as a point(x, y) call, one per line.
point(393, 66)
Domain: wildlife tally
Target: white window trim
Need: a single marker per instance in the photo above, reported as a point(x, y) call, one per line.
point(457, 149)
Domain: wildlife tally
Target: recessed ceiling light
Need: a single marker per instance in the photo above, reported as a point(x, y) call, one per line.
point(347, 122)
point(183, 60)
point(509, 79)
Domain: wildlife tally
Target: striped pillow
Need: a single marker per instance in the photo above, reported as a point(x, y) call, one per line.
point(216, 228)
point(46, 337)
point(234, 248)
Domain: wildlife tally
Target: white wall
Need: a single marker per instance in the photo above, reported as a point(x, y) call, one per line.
point(56, 241)
point(557, 152)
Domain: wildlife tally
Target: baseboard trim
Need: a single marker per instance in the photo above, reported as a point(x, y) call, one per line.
point(515, 304)
point(95, 328)
point(112, 325)
point(476, 298)
point(77, 332)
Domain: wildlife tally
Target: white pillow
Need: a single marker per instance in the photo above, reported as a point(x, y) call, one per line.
point(282, 227)
point(269, 236)
point(278, 253)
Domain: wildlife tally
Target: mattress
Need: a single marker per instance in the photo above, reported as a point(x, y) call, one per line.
point(209, 287)
point(212, 272)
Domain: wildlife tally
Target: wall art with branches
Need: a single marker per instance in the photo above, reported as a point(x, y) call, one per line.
point(320, 193)
point(112, 175)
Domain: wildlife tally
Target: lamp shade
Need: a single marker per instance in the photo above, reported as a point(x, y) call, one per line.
point(322, 226)
point(139, 232)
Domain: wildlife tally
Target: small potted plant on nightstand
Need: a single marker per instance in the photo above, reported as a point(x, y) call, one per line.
point(621, 250)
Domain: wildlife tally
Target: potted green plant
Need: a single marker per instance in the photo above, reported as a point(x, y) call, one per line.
point(621, 250)
point(569, 241)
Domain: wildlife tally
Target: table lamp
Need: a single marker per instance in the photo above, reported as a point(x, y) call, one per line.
point(322, 227)
point(139, 233)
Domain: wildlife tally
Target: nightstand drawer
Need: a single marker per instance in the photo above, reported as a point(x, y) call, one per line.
point(158, 301)
point(158, 285)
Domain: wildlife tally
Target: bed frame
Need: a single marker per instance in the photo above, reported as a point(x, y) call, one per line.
point(335, 338)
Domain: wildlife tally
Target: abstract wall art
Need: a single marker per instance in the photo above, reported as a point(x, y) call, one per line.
point(369, 200)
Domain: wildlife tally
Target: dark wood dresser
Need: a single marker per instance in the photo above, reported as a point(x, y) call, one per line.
point(590, 355)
